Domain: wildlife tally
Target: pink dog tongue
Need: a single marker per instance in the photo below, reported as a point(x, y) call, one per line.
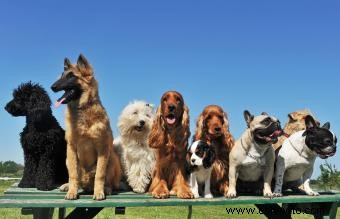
point(277, 133)
point(59, 102)
point(170, 121)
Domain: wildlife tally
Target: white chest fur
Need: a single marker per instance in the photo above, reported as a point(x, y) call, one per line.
point(297, 157)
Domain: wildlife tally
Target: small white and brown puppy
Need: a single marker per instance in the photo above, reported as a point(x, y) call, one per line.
point(137, 158)
point(200, 158)
point(252, 158)
point(295, 161)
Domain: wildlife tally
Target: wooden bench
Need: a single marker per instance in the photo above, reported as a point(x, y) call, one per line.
point(41, 204)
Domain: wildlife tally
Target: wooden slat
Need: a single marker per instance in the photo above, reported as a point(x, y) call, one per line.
point(29, 197)
point(111, 201)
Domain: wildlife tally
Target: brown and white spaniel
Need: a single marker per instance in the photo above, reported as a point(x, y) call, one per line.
point(213, 127)
point(169, 136)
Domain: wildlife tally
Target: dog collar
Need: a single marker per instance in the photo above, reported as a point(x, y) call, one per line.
point(256, 158)
point(300, 153)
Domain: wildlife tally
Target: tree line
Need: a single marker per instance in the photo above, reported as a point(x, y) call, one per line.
point(10, 168)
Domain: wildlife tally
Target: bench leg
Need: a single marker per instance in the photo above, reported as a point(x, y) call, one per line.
point(120, 210)
point(38, 213)
point(273, 211)
point(84, 213)
point(61, 213)
point(189, 211)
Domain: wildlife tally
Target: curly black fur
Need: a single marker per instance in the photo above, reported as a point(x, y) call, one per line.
point(42, 139)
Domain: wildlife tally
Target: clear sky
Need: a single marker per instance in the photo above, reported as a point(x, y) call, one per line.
point(273, 56)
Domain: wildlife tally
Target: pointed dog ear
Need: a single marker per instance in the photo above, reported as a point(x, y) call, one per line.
point(264, 114)
point(85, 68)
point(310, 122)
point(248, 117)
point(327, 126)
point(67, 64)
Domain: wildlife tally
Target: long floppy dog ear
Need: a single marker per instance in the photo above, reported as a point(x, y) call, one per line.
point(186, 121)
point(157, 133)
point(199, 128)
point(228, 138)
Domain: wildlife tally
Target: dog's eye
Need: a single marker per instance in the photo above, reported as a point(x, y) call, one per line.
point(266, 122)
point(148, 115)
point(328, 141)
point(178, 100)
point(164, 99)
point(135, 113)
point(70, 75)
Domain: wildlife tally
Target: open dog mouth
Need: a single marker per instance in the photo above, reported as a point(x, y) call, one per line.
point(270, 134)
point(170, 119)
point(139, 128)
point(69, 95)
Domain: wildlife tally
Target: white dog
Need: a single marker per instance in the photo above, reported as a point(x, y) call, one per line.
point(295, 162)
point(137, 157)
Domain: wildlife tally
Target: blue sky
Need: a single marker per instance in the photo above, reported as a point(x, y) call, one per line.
point(274, 56)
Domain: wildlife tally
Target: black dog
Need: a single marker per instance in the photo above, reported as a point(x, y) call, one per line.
point(42, 139)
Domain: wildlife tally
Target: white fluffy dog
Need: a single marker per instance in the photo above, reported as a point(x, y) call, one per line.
point(137, 157)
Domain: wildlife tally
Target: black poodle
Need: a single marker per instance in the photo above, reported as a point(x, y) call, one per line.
point(42, 139)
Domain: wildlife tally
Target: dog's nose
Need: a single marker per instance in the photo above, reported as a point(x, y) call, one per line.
point(141, 122)
point(218, 129)
point(171, 107)
point(193, 160)
point(54, 87)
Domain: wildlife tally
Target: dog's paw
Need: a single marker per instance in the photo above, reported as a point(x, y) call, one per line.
point(98, 196)
point(108, 190)
point(209, 195)
point(231, 193)
point(185, 194)
point(71, 195)
point(312, 193)
point(268, 194)
point(45, 186)
point(64, 187)
point(277, 194)
point(173, 192)
point(139, 190)
point(161, 195)
point(196, 195)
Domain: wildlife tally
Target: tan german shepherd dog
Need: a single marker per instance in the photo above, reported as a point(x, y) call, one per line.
point(92, 163)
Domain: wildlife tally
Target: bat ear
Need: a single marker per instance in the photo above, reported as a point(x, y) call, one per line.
point(248, 117)
point(327, 125)
point(310, 122)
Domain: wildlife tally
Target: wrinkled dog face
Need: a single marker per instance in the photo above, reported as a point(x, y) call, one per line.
point(265, 128)
point(136, 118)
point(320, 139)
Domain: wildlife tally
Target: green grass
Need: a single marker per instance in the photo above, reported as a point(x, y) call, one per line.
point(199, 212)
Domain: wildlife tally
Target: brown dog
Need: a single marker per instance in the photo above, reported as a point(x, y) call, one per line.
point(295, 123)
point(169, 135)
point(91, 162)
point(213, 127)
